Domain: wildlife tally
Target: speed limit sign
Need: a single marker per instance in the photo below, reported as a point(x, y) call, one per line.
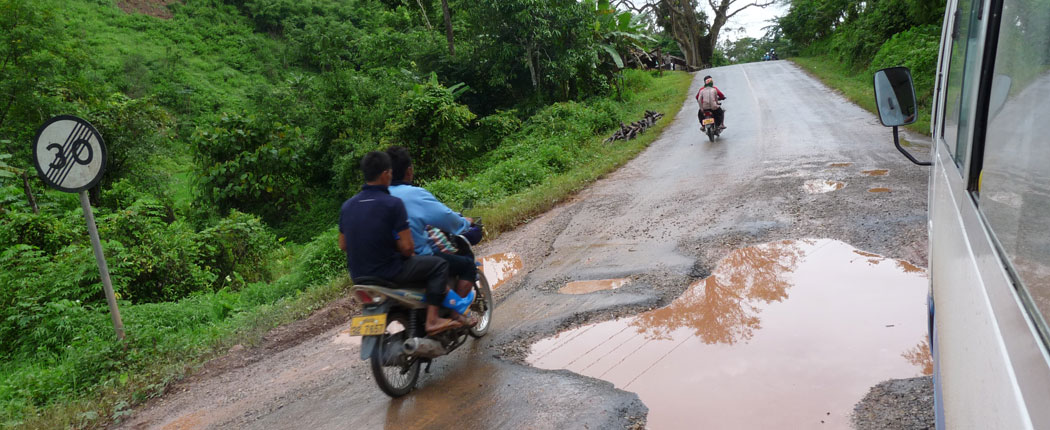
point(69, 154)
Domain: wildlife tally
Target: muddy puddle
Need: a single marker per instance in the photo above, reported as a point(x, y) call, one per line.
point(498, 268)
point(879, 190)
point(875, 172)
point(585, 287)
point(839, 165)
point(783, 335)
point(818, 186)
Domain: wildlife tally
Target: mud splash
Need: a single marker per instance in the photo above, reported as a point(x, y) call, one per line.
point(879, 190)
point(498, 268)
point(783, 335)
point(817, 186)
point(875, 172)
point(585, 287)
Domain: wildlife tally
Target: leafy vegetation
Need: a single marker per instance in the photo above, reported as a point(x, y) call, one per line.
point(234, 130)
point(846, 41)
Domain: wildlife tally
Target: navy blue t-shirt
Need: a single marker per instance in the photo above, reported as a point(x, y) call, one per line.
point(370, 221)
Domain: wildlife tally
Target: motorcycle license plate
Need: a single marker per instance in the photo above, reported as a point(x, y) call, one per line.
point(369, 325)
point(709, 121)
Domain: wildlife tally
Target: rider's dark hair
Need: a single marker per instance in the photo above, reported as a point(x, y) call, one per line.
point(374, 164)
point(400, 161)
point(707, 77)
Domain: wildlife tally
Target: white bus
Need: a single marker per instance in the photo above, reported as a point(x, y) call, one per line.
point(989, 211)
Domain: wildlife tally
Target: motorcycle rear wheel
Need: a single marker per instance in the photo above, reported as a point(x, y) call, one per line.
point(711, 133)
point(399, 379)
point(482, 307)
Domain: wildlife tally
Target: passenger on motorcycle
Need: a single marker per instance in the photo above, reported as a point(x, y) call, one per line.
point(425, 210)
point(374, 232)
point(709, 98)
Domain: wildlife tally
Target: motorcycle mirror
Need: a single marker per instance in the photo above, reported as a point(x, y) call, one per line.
point(468, 204)
point(895, 96)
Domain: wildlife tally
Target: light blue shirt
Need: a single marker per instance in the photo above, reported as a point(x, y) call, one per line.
point(424, 209)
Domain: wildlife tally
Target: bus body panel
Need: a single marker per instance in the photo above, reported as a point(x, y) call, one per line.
point(971, 355)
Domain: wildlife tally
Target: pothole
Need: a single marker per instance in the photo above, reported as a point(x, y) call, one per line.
point(879, 190)
point(586, 287)
point(839, 165)
point(875, 172)
point(818, 186)
point(788, 334)
point(498, 268)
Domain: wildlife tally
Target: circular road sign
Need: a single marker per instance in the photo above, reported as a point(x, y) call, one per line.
point(69, 154)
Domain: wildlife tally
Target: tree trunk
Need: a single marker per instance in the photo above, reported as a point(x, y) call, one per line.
point(448, 28)
point(532, 67)
point(29, 193)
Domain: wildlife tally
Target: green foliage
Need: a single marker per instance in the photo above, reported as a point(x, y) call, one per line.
point(252, 164)
point(915, 49)
point(433, 126)
point(235, 249)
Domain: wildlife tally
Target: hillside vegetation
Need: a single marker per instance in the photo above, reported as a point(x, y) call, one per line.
point(846, 41)
point(234, 129)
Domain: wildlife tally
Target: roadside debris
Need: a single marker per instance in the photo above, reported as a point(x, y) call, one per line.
point(628, 132)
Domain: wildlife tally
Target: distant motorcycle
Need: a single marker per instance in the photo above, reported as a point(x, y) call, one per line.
point(392, 326)
point(708, 126)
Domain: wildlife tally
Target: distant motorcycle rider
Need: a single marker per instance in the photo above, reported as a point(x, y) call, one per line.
point(709, 98)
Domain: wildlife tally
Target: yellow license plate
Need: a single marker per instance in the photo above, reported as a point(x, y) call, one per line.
point(369, 325)
point(709, 121)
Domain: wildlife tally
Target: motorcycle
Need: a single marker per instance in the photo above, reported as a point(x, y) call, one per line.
point(392, 327)
point(708, 126)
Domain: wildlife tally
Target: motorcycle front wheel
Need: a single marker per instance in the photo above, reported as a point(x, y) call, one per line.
point(395, 374)
point(482, 306)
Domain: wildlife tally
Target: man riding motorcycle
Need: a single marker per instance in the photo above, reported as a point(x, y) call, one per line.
point(709, 97)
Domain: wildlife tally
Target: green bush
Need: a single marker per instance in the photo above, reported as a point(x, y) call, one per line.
point(252, 164)
point(915, 49)
point(235, 249)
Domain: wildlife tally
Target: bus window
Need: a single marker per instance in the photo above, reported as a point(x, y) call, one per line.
point(1014, 186)
point(960, 73)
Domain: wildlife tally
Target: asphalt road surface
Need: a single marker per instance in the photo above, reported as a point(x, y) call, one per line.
point(800, 173)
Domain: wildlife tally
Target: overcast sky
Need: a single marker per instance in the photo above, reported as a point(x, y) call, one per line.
point(751, 19)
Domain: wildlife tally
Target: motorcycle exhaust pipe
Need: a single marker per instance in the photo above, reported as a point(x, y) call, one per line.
point(424, 348)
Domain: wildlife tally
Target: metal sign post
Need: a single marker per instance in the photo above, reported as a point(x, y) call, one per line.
point(70, 156)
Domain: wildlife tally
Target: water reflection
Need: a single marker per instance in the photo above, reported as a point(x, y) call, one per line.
point(721, 308)
point(797, 330)
point(498, 268)
point(920, 356)
point(818, 186)
point(585, 287)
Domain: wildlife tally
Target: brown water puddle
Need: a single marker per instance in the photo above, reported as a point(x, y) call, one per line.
point(879, 190)
point(498, 268)
point(840, 164)
point(875, 172)
point(584, 287)
point(783, 335)
point(817, 186)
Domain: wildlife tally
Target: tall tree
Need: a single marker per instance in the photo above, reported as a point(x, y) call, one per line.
point(688, 26)
point(448, 28)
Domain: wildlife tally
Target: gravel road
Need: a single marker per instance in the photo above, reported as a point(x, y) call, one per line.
point(797, 162)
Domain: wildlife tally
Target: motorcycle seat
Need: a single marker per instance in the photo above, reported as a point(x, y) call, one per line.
point(373, 280)
point(380, 282)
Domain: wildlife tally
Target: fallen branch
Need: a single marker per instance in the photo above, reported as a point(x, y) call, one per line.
point(628, 132)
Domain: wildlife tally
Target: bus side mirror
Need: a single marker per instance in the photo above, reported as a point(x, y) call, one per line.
point(895, 96)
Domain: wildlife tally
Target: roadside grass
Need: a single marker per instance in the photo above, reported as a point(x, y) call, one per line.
point(168, 341)
point(856, 86)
